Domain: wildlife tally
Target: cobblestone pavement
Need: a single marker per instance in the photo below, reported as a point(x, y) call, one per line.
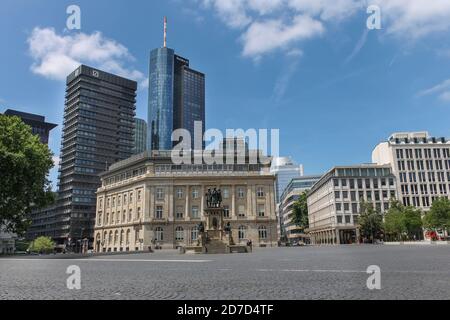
point(339, 272)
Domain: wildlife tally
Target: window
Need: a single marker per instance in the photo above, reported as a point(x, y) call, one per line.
point(127, 239)
point(260, 192)
point(226, 193)
point(130, 214)
point(179, 234)
point(179, 212)
point(242, 231)
point(118, 200)
point(261, 212)
point(241, 211)
point(262, 232)
point(226, 211)
point(139, 195)
point(240, 193)
point(337, 194)
point(125, 199)
point(131, 197)
point(114, 201)
point(338, 206)
point(159, 212)
point(194, 233)
point(124, 216)
point(194, 212)
point(116, 237)
point(138, 216)
point(347, 219)
point(159, 193)
point(339, 219)
point(159, 234)
point(180, 193)
point(195, 193)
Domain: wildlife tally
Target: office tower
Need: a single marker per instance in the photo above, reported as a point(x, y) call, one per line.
point(334, 202)
point(36, 122)
point(140, 135)
point(176, 97)
point(98, 131)
point(284, 170)
point(421, 164)
point(290, 232)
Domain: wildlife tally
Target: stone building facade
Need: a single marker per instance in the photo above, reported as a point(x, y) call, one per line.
point(149, 201)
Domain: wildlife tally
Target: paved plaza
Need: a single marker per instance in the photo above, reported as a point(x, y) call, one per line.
point(327, 272)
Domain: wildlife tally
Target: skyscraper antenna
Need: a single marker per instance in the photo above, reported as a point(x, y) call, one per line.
point(165, 32)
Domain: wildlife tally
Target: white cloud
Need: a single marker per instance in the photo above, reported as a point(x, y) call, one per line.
point(442, 90)
point(444, 85)
point(411, 19)
point(415, 18)
point(56, 56)
point(231, 12)
point(263, 37)
point(56, 160)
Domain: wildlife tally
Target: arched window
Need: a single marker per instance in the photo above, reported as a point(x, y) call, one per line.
point(112, 218)
point(122, 234)
point(179, 234)
point(262, 232)
point(97, 238)
point(110, 238)
point(159, 234)
point(194, 233)
point(107, 218)
point(242, 231)
point(105, 236)
point(116, 237)
point(128, 237)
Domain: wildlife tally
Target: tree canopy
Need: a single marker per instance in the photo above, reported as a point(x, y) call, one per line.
point(42, 244)
point(439, 215)
point(24, 166)
point(300, 211)
point(402, 222)
point(370, 221)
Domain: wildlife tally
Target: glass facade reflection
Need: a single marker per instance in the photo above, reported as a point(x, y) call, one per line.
point(176, 98)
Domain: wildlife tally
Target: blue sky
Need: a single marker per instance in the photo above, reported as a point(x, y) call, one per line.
point(310, 68)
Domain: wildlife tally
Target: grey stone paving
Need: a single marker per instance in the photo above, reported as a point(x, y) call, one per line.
point(407, 272)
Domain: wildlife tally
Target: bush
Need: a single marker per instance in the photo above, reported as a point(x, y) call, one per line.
point(42, 245)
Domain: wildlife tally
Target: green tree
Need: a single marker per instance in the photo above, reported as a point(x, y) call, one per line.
point(394, 224)
point(42, 244)
point(402, 222)
point(24, 166)
point(370, 221)
point(300, 211)
point(413, 222)
point(439, 215)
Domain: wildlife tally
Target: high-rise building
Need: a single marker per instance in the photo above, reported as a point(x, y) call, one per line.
point(98, 131)
point(290, 232)
point(421, 164)
point(334, 202)
point(176, 98)
point(36, 122)
point(284, 169)
point(140, 135)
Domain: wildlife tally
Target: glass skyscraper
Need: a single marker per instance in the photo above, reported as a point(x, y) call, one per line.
point(176, 98)
point(140, 135)
point(285, 170)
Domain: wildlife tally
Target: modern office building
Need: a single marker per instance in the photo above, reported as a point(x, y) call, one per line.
point(334, 201)
point(36, 122)
point(148, 201)
point(421, 164)
point(290, 232)
point(140, 135)
point(284, 169)
point(98, 131)
point(176, 98)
